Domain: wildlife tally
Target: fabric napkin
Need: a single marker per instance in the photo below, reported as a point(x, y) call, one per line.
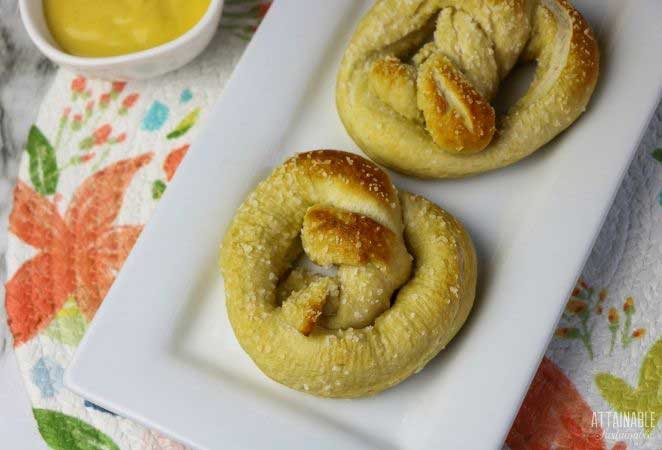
point(98, 159)
point(100, 156)
point(600, 383)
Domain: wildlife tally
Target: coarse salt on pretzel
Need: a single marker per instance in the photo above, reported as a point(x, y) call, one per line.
point(415, 83)
point(405, 281)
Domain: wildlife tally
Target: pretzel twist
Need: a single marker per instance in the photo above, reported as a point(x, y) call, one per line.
point(416, 80)
point(340, 335)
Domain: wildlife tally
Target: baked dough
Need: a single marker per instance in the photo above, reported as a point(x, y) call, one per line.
point(416, 80)
point(405, 281)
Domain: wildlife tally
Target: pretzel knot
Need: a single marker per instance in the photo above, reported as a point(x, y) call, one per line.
point(416, 81)
point(347, 334)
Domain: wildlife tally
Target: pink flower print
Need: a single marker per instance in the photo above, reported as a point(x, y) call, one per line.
point(554, 415)
point(628, 306)
point(77, 122)
point(612, 316)
point(128, 102)
point(117, 87)
point(173, 160)
point(100, 135)
point(639, 333)
point(104, 100)
point(64, 117)
point(78, 252)
point(78, 85)
point(86, 157)
point(89, 107)
point(119, 138)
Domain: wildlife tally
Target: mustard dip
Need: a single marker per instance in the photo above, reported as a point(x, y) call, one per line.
point(118, 27)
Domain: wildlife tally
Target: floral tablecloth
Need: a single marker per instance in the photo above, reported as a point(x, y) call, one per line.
point(101, 154)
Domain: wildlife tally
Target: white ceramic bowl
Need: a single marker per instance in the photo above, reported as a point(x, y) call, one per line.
point(133, 66)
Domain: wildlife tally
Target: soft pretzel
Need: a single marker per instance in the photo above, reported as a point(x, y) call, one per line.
point(383, 315)
point(416, 80)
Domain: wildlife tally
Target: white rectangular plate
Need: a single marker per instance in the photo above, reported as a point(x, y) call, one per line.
point(161, 350)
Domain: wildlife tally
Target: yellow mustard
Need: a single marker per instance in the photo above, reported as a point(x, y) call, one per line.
point(119, 27)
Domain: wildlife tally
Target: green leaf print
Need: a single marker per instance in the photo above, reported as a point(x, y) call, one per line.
point(68, 326)
point(63, 432)
point(645, 398)
point(43, 164)
point(158, 188)
point(657, 154)
point(185, 124)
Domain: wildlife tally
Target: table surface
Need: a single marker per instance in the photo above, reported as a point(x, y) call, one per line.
point(25, 76)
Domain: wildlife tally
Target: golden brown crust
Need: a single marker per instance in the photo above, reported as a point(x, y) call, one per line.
point(346, 238)
point(457, 117)
point(340, 336)
point(351, 169)
point(395, 84)
point(584, 55)
point(549, 31)
point(304, 307)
